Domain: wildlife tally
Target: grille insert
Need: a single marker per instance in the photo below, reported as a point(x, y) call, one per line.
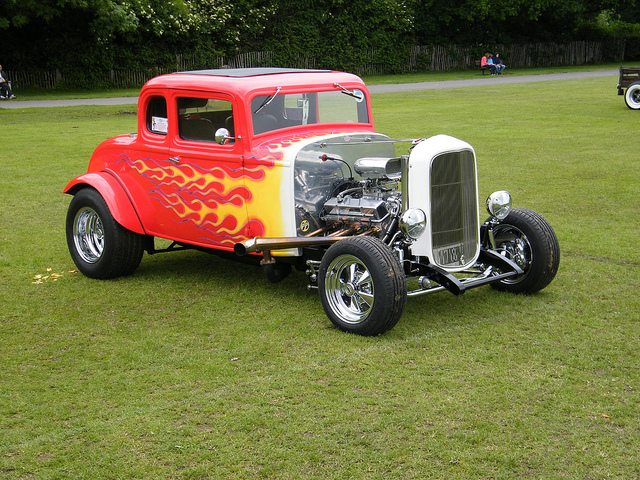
point(454, 210)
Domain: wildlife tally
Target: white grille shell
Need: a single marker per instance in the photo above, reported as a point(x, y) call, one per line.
point(419, 196)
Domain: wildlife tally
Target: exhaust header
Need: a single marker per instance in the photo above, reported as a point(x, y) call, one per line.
point(265, 244)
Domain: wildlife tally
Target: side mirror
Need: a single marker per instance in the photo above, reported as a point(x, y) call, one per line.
point(223, 136)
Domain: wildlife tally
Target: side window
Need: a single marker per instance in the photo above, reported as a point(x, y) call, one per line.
point(157, 116)
point(200, 118)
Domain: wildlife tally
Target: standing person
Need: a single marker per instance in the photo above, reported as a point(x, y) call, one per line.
point(497, 61)
point(5, 88)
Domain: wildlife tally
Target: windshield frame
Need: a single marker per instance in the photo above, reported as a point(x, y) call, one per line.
point(310, 107)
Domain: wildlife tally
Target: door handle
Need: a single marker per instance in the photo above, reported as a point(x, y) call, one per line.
point(175, 160)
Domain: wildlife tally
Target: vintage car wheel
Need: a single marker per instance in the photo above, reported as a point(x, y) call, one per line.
point(362, 286)
point(526, 237)
point(100, 246)
point(632, 96)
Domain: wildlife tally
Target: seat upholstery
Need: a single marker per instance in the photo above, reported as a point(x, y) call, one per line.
point(264, 123)
point(197, 129)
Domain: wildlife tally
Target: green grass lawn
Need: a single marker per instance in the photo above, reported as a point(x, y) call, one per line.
point(195, 367)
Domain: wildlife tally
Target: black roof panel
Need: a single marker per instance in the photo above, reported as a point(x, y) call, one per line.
point(251, 72)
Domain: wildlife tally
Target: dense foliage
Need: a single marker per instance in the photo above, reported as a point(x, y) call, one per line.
point(94, 36)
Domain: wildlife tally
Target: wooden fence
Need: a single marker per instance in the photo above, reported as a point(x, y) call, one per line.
point(420, 58)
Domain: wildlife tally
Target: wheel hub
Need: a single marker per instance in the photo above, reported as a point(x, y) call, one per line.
point(88, 235)
point(517, 248)
point(349, 290)
point(518, 253)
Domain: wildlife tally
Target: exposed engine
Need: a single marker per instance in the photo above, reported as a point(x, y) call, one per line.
point(368, 199)
point(370, 204)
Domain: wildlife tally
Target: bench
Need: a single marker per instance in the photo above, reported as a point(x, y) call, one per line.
point(484, 69)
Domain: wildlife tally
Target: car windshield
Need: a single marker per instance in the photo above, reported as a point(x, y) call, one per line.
point(278, 110)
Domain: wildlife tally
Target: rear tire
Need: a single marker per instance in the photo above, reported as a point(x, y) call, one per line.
point(362, 286)
point(99, 246)
point(632, 96)
point(525, 237)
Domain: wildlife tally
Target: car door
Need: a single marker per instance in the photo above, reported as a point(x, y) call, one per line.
point(202, 192)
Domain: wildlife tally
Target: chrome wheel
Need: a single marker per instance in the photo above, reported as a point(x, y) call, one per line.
point(349, 289)
point(99, 246)
point(525, 237)
point(88, 235)
point(517, 248)
point(362, 286)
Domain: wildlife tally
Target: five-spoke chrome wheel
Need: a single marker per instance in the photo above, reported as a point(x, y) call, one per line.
point(516, 248)
point(349, 288)
point(88, 235)
point(363, 288)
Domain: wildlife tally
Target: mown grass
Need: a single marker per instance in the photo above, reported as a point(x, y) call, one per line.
point(196, 367)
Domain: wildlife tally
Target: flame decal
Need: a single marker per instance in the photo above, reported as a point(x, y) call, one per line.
point(221, 203)
point(206, 204)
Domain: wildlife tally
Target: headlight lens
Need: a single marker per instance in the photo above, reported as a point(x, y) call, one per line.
point(413, 223)
point(499, 204)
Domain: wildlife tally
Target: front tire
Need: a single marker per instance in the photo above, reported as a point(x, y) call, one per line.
point(525, 237)
point(632, 96)
point(99, 246)
point(276, 271)
point(362, 285)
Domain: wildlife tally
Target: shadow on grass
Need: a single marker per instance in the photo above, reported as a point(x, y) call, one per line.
point(198, 277)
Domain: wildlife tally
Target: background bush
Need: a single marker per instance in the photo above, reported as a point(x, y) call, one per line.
point(84, 40)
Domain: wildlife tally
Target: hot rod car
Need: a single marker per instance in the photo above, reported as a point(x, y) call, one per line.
point(283, 168)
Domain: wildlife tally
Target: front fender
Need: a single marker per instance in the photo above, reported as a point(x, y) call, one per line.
point(114, 195)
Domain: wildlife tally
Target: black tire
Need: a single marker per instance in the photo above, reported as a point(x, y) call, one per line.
point(363, 289)
point(526, 237)
point(99, 246)
point(276, 272)
point(632, 96)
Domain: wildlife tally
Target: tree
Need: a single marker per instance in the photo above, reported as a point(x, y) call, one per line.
point(341, 32)
point(93, 36)
point(502, 21)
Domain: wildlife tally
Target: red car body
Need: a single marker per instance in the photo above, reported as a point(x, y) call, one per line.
point(200, 192)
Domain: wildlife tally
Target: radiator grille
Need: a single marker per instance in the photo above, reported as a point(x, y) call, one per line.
point(454, 213)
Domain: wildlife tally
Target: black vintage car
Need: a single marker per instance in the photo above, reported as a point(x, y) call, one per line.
point(630, 80)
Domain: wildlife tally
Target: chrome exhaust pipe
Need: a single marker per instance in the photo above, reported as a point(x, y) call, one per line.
point(258, 244)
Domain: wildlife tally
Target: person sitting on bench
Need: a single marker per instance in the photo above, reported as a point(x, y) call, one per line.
point(497, 61)
point(487, 63)
point(5, 87)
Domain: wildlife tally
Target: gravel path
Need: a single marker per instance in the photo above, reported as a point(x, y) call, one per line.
point(490, 80)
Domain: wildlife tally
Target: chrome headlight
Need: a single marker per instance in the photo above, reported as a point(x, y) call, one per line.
point(499, 204)
point(413, 223)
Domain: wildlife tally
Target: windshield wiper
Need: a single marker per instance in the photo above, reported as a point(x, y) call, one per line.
point(348, 92)
point(268, 100)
